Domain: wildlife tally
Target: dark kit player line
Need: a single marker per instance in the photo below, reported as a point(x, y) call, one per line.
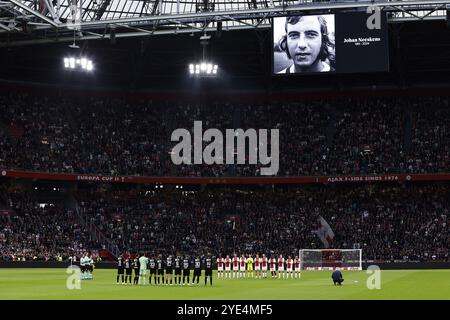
point(197, 271)
point(169, 270)
point(152, 266)
point(208, 270)
point(128, 270)
point(136, 270)
point(177, 265)
point(186, 270)
point(160, 270)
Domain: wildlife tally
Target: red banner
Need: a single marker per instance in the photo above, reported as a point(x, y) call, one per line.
point(226, 180)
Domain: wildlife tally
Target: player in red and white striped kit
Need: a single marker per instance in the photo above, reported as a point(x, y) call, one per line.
point(297, 272)
point(264, 264)
point(289, 267)
point(220, 267)
point(258, 266)
point(273, 267)
point(227, 267)
point(280, 263)
point(235, 266)
point(242, 266)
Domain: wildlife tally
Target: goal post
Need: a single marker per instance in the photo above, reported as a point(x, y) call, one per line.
point(330, 259)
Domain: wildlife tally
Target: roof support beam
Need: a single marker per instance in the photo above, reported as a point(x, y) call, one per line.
point(257, 13)
point(2, 26)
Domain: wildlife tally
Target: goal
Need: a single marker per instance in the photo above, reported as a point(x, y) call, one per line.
point(330, 259)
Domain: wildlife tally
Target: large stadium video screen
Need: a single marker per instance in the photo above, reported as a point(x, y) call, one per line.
point(330, 43)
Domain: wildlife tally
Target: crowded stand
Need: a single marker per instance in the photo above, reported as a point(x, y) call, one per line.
point(32, 230)
point(319, 137)
point(388, 222)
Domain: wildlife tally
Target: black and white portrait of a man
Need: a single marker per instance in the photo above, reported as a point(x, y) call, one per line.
point(304, 44)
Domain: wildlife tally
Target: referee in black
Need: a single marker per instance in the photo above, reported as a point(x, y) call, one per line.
point(177, 265)
point(208, 270)
point(186, 270)
point(197, 271)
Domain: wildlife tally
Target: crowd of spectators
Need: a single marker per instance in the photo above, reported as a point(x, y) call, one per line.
point(388, 222)
point(430, 136)
point(321, 137)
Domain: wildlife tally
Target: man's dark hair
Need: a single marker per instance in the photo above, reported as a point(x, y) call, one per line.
point(326, 43)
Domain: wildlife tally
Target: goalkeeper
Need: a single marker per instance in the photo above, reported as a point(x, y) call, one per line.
point(143, 262)
point(249, 262)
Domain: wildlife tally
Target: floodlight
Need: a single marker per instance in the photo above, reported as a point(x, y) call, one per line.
point(89, 66)
point(204, 68)
point(81, 63)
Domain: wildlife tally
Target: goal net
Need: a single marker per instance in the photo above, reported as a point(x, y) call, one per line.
point(330, 259)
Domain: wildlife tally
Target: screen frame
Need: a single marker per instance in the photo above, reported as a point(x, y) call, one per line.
point(335, 72)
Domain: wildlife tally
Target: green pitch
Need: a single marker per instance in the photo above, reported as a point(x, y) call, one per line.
point(404, 284)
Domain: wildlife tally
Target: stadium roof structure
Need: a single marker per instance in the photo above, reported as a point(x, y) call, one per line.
point(24, 22)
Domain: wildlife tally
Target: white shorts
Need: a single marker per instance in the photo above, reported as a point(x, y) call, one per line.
point(143, 272)
point(273, 269)
point(227, 268)
point(219, 268)
point(289, 269)
point(257, 268)
point(280, 268)
point(264, 268)
point(297, 268)
point(235, 268)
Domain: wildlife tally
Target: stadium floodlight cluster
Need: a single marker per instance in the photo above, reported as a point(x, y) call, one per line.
point(82, 64)
point(203, 69)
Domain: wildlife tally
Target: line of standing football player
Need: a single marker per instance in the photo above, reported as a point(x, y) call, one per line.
point(177, 270)
point(171, 271)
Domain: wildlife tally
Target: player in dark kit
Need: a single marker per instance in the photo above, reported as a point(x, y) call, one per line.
point(160, 270)
point(208, 262)
point(169, 270)
point(136, 270)
point(120, 270)
point(186, 270)
point(128, 270)
point(152, 265)
point(177, 265)
point(197, 271)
